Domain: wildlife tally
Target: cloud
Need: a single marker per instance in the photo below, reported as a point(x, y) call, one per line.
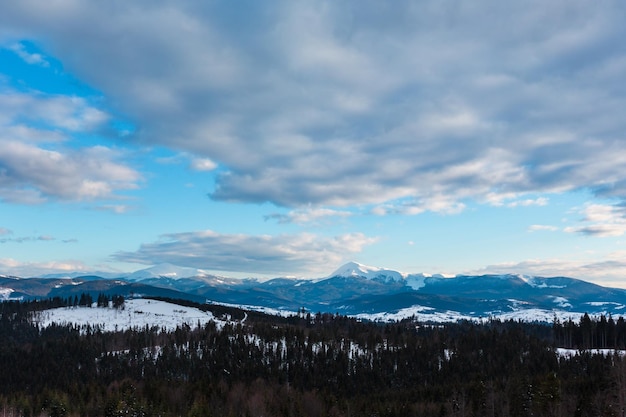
point(4, 231)
point(608, 272)
point(265, 254)
point(40, 163)
point(542, 227)
point(308, 215)
point(22, 239)
point(202, 164)
point(442, 204)
point(34, 114)
point(601, 220)
point(540, 201)
point(14, 267)
point(115, 208)
point(30, 174)
point(358, 102)
point(29, 57)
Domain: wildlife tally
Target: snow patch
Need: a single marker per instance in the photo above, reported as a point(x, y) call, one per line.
point(259, 309)
point(538, 282)
point(604, 303)
point(561, 302)
point(5, 294)
point(429, 314)
point(570, 353)
point(137, 313)
point(517, 304)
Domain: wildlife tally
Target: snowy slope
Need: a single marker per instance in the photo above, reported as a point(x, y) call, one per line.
point(136, 313)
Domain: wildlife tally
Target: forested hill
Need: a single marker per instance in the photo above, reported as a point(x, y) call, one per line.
point(309, 365)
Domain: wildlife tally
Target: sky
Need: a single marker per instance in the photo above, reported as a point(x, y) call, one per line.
point(285, 138)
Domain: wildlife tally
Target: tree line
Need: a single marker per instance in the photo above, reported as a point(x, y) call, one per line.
point(307, 365)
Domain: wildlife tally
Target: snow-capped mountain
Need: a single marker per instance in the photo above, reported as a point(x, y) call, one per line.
point(166, 270)
point(355, 269)
point(353, 289)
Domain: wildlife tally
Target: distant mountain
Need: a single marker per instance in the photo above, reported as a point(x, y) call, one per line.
point(353, 289)
point(355, 269)
point(166, 270)
point(79, 274)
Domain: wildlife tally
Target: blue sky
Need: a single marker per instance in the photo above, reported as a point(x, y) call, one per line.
point(285, 138)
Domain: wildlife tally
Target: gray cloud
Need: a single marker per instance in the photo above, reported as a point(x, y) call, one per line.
point(283, 254)
point(361, 102)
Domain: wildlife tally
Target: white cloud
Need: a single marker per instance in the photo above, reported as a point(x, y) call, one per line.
point(264, 254)
point(4, 231)
point(29, 57)
point(30, 174)
point(203, 164)
point(441, 204)
point(601, 220)
point(115, 208)
point(542, 227)
point(500, 200)
point(39, 163)
point(9, 266)
point(359, 102)
point(21, 111)
point(308, 215)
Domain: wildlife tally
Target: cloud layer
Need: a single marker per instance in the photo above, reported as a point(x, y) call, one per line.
point(410, 106)
point(609, 272)
point(283, 254)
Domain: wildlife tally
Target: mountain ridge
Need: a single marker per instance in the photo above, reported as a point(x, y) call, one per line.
point(352, 289)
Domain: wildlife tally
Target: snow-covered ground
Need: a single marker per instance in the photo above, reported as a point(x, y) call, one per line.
point(137, 313)
point(570, 353)
point(5, 294)
point(428, 314)
point(142, 312)
point(259, 309)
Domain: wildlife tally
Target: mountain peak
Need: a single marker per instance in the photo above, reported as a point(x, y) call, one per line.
point(352, 269)
point(355, 269)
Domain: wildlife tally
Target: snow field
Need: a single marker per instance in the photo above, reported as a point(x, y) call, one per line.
point(137, 313)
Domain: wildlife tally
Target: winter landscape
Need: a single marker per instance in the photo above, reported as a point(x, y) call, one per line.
point(354, 289)
point(113, 346)
point(324, 208)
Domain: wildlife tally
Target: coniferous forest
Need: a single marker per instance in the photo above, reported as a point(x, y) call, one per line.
point(309, 365)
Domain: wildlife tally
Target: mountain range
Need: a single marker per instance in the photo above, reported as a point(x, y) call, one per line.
point(353, 289)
